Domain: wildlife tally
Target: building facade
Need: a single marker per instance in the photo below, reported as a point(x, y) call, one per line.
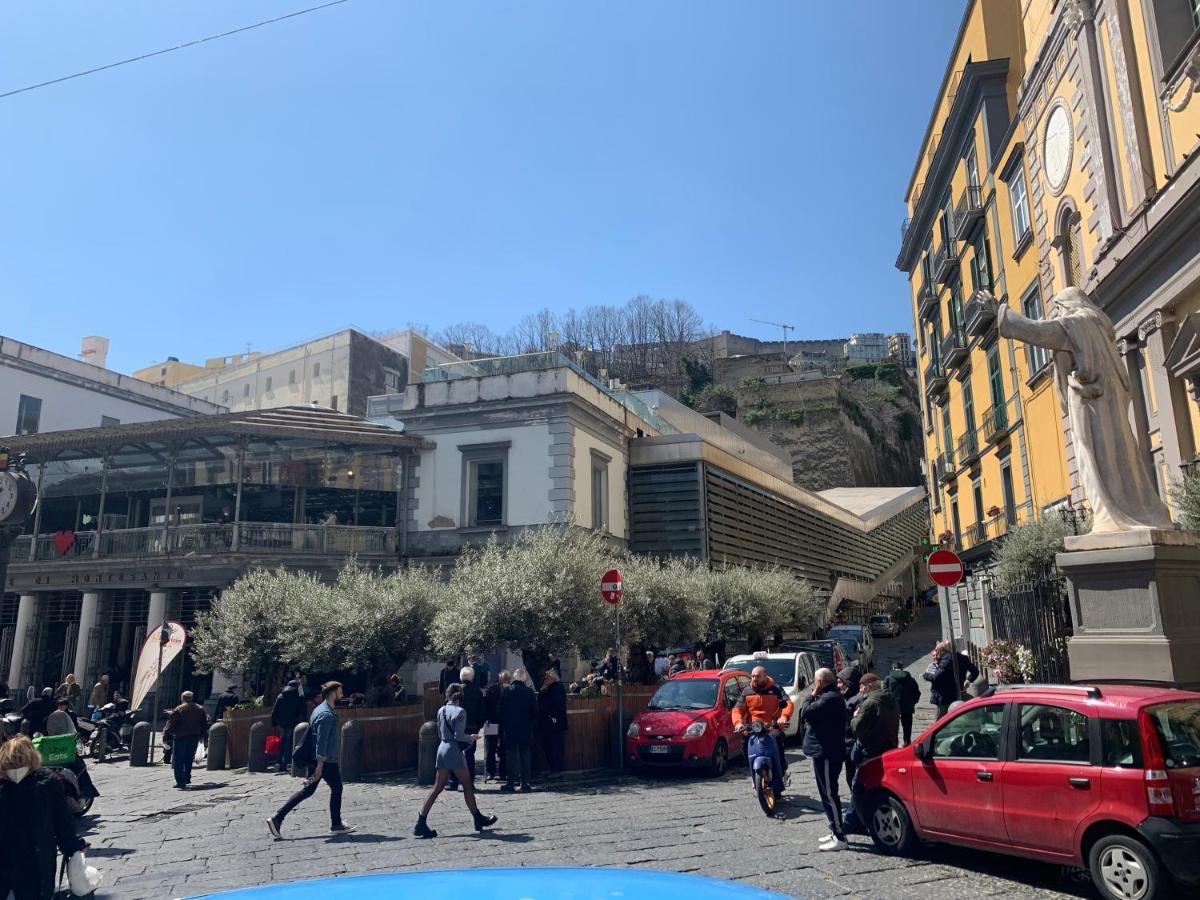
point(867, 347)
point(899, 348)
point(44, 391)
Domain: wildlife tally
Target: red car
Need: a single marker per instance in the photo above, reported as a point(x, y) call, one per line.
point(1103, 777)
point(689, 722)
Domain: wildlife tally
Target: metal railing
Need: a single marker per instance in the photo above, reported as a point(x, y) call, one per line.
point(944, 260)
point(996, 422)
point(978, 317)
point(935, 377)
point(954, 347)
point(968, 447)
point(968, 210)
point(927, 302)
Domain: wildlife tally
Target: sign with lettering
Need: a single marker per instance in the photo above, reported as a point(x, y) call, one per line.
point(147, 670)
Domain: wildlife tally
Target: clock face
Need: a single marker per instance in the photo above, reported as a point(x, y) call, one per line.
point(8, 495)
point(1056, 149)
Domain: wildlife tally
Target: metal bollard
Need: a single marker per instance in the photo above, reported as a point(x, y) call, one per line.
point(427, 746)
point(351, 755)
point(139, 745)
point(298, 736)
point(101, 740)
point(218, 739)
point(256, 758)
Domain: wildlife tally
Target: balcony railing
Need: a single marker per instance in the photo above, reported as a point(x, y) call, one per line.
point(979, 318)
point(927, 302)
point(968, 211)
point(209, 539)
point(968, 447)
point(996, 527)
point(996, 423)
point(945, 261)
point(935, 378)
point(945, 466)
point(954, 348)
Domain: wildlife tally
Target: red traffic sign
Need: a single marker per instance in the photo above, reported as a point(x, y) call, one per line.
point(945, 568)
point(610, 586)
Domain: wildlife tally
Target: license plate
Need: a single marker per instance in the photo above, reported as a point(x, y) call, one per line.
point(660, 748)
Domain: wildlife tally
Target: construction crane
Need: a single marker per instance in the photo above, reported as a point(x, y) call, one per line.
point(786, 329)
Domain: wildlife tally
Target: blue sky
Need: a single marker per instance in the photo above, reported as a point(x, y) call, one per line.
point(380, 163)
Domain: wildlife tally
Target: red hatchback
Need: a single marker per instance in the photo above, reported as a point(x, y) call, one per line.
point(689, 722)
point(1103, 777)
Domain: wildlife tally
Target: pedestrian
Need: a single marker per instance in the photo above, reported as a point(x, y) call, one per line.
point(288, 712)
point(907, 692)
point(493, 748)
point(950, 673)
point(60, 721)
point(662, 665)
point(99, 695)
point(518, 713)
point(71, 690)
point(227, 700)
point(552, 712)
point(555, 664)
point(875, 724)
point(449, 676)
point(677, 665)
point(609, 669)
point(399, 694)
point(35, 824)
point(472, 704)
point(650, 676)
point(186, 725)
point(701, 661)
point(452, 729)
point(848, 683)
point(37, 711)
point(483, 671)
point(824, 712)
point(325, 738)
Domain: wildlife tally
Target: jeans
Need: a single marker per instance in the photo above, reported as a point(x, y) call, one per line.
point(555, 744)
point(906, 725)
point(183, 754)
point(519, 763)
point(332, 776)
point(286, 739)
point(776, 753)
point(827, 772)
point(494, 755)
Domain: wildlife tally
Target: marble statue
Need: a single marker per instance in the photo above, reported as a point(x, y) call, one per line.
point(1093, 389)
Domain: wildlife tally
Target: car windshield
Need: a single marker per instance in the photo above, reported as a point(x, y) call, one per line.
point(685, 693)
point(849, 647)
point(844, 631)
point(1178, 726)
point(782, 670)
point(880, 620)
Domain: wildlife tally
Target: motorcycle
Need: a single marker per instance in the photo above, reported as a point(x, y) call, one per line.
point(760, 753)
point(112, 731)
point(81, 793)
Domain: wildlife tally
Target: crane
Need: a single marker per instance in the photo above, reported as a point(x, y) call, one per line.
point(786, 329)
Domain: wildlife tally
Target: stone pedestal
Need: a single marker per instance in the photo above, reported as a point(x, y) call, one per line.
point(1135, 606)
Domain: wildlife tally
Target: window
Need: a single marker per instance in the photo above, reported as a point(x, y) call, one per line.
point(1070, 243)
point(1020, 207)
point(981, 264)
point(316, 370)
point(268, 385)
point(1177, 21)
point(996, 379)
point(225, 396)
point(1010, 500)
point(292, 376)
point(733, 692)
point(977, 492)
point(333, 402)
point(391, 381)
point(600, 491)
point(972, 169)
point(1031, 306)
point(956, 308)
point(29, 415)
point(246, 389)
point(947, 434)
point(1121, 747)
point(968, 396)
point(973, 735)
point(109, 422)
point(164, 371)
point(1053, 734)
point(957, 523)
point(484, 470)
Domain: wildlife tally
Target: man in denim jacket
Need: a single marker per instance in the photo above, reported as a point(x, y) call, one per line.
point(326, 741)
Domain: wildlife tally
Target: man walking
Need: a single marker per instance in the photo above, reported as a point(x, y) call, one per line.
point(518, 712)
point(552, 709)
point(824, 711)
point(186, 725)
point(907, 692)
point(875, 724)
point(494, 749)
point(325, 737)
point(949, 675)
point(483, 672)
point(226, 700)
point(99, 695)
point(286, 714)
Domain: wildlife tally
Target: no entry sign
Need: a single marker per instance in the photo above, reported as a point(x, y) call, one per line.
point(945, 568)
point(610, 586)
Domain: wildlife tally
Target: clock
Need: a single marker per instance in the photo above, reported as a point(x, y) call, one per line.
point(1057, 146)
point(16, 497)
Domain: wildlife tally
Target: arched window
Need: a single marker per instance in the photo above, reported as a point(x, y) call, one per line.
point(1070, 244)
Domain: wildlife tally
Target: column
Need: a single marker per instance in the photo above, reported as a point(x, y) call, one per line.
point(25, 615)
point(88, 614)
point(158, 612)
point(1174, 424)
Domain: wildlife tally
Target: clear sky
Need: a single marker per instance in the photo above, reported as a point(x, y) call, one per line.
point(385, 162)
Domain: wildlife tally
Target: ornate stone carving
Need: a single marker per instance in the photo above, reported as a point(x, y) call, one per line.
point(1093, 390)
point(1076, 12)
point(1151, 324)
point(1191, 74)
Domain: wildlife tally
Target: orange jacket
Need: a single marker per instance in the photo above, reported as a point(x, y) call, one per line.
point(767, 705)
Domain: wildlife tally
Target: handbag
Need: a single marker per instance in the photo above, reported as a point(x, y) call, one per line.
point(272, 745)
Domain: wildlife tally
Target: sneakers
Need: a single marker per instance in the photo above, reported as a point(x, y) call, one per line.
point(344, 828)
point(273, 827)
point(833, 844)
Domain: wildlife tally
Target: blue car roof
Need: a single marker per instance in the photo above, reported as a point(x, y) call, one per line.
point(507, 884)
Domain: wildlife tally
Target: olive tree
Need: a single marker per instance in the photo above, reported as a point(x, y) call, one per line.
point(755, 603)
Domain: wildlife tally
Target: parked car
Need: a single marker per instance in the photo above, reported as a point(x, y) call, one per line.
point(860, 633)
point(1102, 777)
point(791, 671)
point(827, 653)
point(884, 626)
point(689, 722)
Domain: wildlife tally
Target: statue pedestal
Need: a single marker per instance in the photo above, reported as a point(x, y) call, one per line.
point(1135, 606)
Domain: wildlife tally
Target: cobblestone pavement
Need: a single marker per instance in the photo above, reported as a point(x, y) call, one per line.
point(151, 841)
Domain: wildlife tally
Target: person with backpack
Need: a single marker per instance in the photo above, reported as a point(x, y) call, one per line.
point(901, 685)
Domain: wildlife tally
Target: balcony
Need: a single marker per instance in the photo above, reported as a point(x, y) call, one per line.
point(927, 301)
point(945, 261)
point(945, 467)
point(979, 318)
point(968, 447)
point(207, 540)
point(996, 423)
point(968, 211)
point(935, 378)
point(954, 348)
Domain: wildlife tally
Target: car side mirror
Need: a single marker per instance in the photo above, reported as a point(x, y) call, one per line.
point(921, 751)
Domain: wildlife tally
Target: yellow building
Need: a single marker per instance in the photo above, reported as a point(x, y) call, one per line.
point(1061, 150)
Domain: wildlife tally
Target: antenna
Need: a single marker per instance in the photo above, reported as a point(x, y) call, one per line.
point(786, 329)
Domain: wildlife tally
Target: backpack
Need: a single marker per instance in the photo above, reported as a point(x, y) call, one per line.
point(305, 754)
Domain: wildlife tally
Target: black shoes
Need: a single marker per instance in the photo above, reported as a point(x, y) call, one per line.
point(482, 821)
point(526, 789)
point(422, 830)
point(508, 788)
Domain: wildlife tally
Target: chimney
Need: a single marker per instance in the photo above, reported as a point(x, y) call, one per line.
point(94, 350)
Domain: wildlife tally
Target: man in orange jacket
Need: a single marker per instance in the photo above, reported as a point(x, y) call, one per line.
point(764, 701)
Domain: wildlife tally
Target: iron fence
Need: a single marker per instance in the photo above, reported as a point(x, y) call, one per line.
point(1036, 615)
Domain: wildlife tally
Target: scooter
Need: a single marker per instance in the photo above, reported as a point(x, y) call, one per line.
point(80, 792)
point(113, 731)
point(761, 747)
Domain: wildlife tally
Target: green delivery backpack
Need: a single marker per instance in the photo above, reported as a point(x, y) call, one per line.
point(56, 750)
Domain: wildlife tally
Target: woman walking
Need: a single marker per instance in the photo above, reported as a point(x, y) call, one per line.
point(452, 729)
point(35, 823)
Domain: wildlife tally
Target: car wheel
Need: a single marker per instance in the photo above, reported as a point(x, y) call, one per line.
point(891, 828)
point(1123, 868)
point(720, 759)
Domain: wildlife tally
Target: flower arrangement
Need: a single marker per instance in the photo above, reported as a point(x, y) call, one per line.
point(1009, 662)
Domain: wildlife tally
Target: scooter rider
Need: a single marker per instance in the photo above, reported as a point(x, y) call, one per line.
point(764, 701)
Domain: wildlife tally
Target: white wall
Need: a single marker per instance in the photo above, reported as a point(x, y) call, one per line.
point(618, 520)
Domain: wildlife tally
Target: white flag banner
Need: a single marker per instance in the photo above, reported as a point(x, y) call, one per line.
point(147, 666)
